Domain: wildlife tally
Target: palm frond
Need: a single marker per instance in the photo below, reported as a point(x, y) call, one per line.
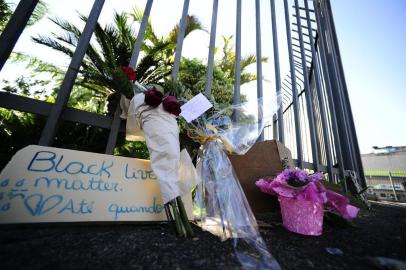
point(192, 24)
point(150, 60)
point(39, 12)
point(49, 42)
point(136, 15)
point(67, 38)
point(67, 26)
point(125, 30)
point(247, 77)
point(249, 60)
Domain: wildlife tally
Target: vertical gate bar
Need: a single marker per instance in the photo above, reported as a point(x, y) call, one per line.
point(293, 134)
point(115, 124)
point(338, 160)
point(274, 127)
point(281, 134)
point(114, 129)
point(237, 71)
point(14, 28)
point(330, 99)
point(210, 58)
point(317, 113)
point(51, 124)
point(294, 90)
point(179, 42)
point(292, 131)
point(140, 36)
point(259, 64)
point(350, 118)
point(319, 93)
point(308, 93)
point(303, 124)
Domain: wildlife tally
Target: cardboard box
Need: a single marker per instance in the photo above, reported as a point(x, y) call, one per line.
point(263, 160)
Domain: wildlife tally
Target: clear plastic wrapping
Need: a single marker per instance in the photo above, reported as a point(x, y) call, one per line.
point(221, 203)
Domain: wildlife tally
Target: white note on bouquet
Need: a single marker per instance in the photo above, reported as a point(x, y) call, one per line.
point(195, 107)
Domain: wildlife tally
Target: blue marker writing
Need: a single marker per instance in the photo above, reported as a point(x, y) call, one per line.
point(45, 161)
point(83, 208)
point(138, 174)
point(37, 205)
point(77, 184)
point(152, 209)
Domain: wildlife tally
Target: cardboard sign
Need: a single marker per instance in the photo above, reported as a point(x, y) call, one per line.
point(46, 184)
point(263, 160)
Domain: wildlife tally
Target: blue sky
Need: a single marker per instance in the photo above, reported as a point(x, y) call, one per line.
point(371, 35)
point(372, 39)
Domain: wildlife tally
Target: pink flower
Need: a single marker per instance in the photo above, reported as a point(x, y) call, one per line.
point(153, 97)
point(300, 175)
point(297, 184)
point(318, 176)
point(130, 73)
point(171, 105)
point(264, 186)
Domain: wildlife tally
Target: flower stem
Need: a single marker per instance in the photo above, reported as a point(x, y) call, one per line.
point(169, 216)
point(184, 217)
point(178, 222)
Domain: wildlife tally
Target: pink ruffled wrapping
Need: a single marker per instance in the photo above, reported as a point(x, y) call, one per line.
point(302, 207)
point(302, 217)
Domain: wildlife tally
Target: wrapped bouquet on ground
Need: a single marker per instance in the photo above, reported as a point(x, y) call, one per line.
point(223, 207)
point(151, 116)
point(303, 200)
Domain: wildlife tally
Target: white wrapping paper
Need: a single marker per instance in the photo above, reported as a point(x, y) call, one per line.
point(160, 131)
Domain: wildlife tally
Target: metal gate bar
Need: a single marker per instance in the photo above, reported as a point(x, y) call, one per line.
point(14, 28)
point(52, 122)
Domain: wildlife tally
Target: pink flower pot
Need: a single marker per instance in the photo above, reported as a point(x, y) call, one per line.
point(300, 216)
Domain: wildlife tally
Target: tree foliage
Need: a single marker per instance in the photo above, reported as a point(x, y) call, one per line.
point(5, 14)
point(110, 48)
point(6, 11)
point(192, 74)
point(227, 62)
point(113, 47)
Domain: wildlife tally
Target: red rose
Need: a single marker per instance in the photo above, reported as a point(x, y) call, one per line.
point(153, 97)
point(130, 73)
point(171, 105)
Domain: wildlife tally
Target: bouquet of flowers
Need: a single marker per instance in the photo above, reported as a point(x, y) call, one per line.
point(151, 116)
point(224, 209)
point(303, 199)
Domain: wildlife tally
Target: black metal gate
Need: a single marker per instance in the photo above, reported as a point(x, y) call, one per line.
point(315, 120)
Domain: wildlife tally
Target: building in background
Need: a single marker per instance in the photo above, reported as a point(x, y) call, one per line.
point(385, 173)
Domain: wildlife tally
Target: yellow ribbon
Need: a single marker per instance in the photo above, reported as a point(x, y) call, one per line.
point(198, 136)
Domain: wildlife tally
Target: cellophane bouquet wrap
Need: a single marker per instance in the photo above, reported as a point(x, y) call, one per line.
point(223, 207)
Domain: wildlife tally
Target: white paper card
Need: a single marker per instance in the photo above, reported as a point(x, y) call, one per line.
point(195, 107)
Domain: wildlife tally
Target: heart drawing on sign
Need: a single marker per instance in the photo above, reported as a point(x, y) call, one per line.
point(37, 205)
